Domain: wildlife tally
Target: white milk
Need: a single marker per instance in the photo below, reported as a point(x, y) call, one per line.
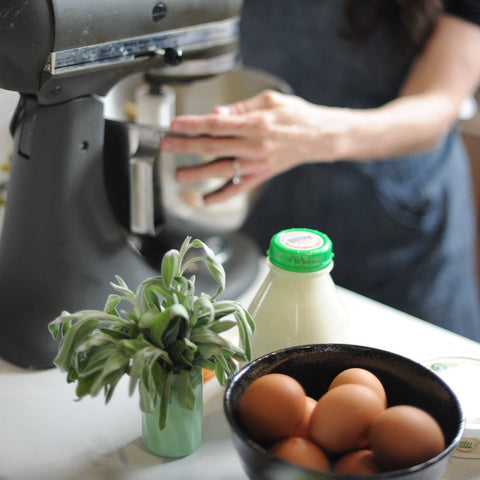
point(298, 307)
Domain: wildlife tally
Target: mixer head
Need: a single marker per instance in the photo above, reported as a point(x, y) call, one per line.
point(62, 49)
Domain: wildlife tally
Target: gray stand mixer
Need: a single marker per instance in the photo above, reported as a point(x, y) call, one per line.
point(66, 231)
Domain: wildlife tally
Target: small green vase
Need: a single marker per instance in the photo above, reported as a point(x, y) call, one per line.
point(182, 434)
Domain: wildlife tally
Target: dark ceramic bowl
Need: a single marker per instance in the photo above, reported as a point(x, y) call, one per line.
point(315, 366)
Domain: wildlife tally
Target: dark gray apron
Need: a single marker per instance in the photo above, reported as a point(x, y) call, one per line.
point(403, 231)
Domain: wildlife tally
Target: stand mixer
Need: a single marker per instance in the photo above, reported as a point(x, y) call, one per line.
point(64, 236)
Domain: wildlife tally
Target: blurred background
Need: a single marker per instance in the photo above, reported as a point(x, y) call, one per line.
point(8, 101)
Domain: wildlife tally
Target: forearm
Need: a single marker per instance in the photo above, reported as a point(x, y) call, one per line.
point(405, 125)
point(444, 74)
point(271, 133)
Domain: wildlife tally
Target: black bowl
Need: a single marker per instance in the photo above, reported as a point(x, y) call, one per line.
point(315, 366)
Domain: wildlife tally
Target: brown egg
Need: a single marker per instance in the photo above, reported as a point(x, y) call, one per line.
point(301, 452)
point(341, 420)
point(272, 407)
point(358, 462)
point(404, 435)
point(303, 429)
point(361, 377)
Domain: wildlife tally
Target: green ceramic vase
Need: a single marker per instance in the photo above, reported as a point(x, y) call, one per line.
point(182, 434)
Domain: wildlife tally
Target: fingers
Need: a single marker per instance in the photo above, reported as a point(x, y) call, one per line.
point(220, 168)
point(229, 190)
point(225, 168)
point(242, 131)
point(238, 119)
point(212, 146)
point(242, 176)
point(212, 124)
point(265, 99)
point(215, 125)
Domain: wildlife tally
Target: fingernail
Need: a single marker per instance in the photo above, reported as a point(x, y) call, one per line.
point(222, 110)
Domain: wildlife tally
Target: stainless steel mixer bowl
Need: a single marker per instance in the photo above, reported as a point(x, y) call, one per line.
point(183, 211)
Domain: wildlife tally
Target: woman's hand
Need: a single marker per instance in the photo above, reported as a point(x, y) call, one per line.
point(272, 132)
point(266, 135)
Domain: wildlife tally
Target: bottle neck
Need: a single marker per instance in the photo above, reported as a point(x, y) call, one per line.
point(305, 275)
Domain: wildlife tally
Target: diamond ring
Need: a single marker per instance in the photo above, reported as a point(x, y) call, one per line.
point(237, 172)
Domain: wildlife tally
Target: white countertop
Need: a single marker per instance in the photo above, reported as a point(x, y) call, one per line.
point(46, 434)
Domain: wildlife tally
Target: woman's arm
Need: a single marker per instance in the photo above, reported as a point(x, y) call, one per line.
point(272, 132)
point(444, 74)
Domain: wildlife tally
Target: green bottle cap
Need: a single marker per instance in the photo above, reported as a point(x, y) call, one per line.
point(300, 250)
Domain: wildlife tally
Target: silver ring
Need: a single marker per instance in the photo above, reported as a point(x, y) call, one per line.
point(237, 172)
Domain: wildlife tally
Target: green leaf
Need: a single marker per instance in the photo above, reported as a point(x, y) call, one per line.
point(217, 272)
point(95, 361)
point(172, 332)
point(84, 386)
point(136, 368)
point(77, 334)
point(205, 335)
point(246, 327)
point(63, 321)
point(224, 370)
point(207, 350)
point(184, 285)
point(220, 373)
point(94, 341)
point(147, 319)
point(113, 380)
point(191, 346)
point(185, 391)
point(148, 393)
point(147, 397)
point(122, 287)
point(183, 353)
point(66, 327)
point(223, 326)
point(111, 304)
point(165, 326)
point(186, 245)
point(225, 308)
point(165, 399)
point(170, 266)
point(120, 334)
point(206, 364)
point(133, 346)
point(244, 338)
point(117, 361)
point(204, 309)
point(199, 244)
point(144, 360)
point(54, 330)
point(159, 376)
point(152, 292)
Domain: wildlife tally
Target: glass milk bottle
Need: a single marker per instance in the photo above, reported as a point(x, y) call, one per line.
point(298, 302)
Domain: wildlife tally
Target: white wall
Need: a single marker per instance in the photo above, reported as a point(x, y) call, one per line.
point(8, 101)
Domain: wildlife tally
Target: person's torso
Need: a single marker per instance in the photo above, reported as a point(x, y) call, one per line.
point(304, 43)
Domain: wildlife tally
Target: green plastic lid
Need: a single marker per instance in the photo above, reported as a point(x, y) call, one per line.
point(300, 250)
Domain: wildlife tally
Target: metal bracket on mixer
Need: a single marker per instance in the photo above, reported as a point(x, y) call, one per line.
point(135, 49)
point(141, 192)
point(144, 141)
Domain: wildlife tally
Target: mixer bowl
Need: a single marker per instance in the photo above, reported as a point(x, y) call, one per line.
point(180, 209)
